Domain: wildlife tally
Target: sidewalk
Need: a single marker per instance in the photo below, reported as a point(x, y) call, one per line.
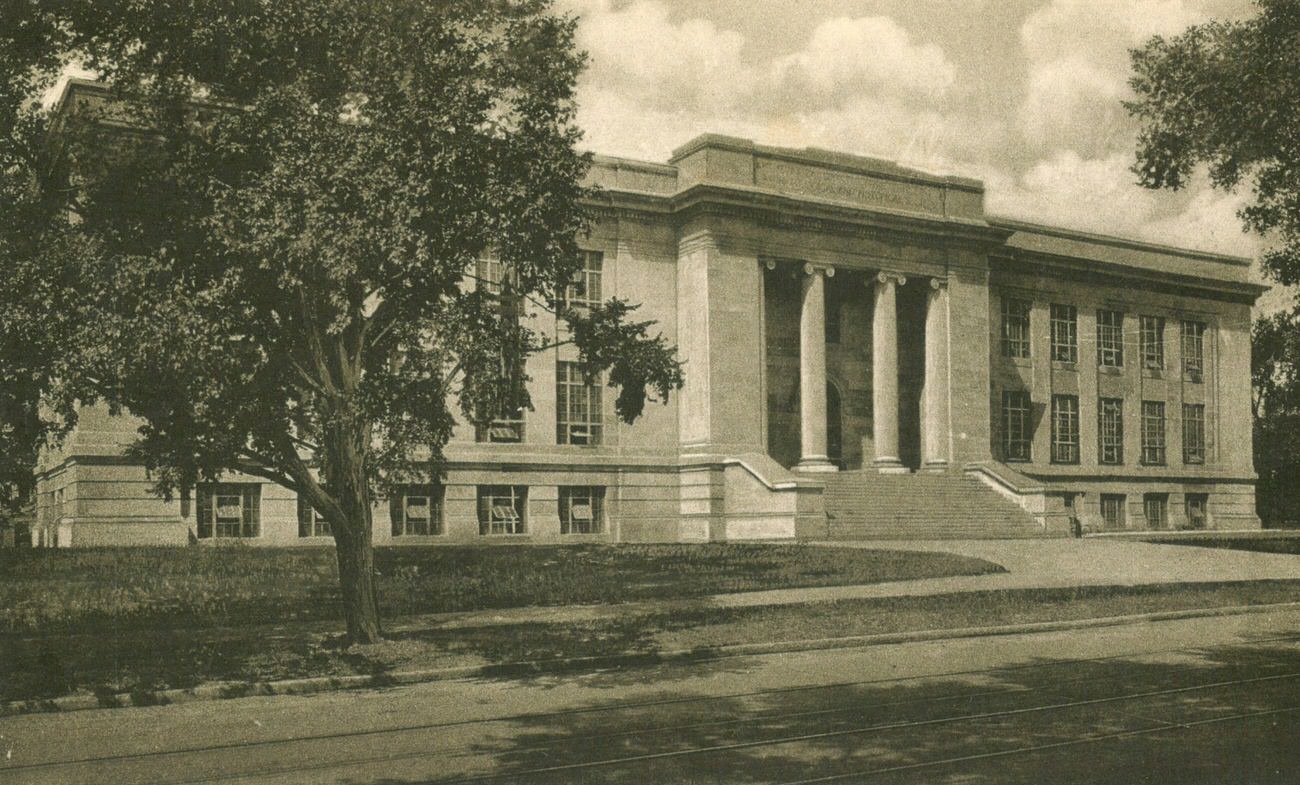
point(1030, 564)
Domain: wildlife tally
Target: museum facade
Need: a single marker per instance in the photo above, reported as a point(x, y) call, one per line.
point(868, 354)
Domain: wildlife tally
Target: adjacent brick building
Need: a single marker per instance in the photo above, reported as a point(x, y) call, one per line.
point(868, 354)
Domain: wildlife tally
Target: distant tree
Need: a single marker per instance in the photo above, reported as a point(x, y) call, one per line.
point(265, 245)
point(1226, 96)
point(1275, 362)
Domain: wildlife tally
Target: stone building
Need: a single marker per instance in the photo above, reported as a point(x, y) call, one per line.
point(868, 355)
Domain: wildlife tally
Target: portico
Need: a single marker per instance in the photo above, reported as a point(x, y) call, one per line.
point(874, 385)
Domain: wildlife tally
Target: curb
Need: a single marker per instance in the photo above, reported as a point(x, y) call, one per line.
point(307, 686)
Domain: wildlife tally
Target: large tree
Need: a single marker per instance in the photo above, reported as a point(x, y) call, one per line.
point(270, 235)
point(1225, 97)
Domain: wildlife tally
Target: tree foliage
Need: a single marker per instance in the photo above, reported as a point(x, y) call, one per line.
point(1226, 96)
point(273, 224)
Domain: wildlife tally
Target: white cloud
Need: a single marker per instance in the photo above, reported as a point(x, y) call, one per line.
point(654, 81)
point(1078, 67)
point(866, 55)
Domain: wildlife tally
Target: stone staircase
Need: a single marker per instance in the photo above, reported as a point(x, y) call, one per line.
point(867, 505)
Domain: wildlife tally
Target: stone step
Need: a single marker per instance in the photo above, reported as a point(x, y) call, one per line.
point(870, 505)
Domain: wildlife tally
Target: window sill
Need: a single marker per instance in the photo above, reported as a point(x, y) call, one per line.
point(1018, 362)
point(1063, 365)
point(1110, 370)
point(1153, 373)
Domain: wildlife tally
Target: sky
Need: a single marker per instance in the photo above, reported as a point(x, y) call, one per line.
point(1022, 94)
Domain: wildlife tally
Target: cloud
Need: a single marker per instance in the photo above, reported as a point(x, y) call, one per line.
point(856, 84)
point(847, 57)
point(1078, 67)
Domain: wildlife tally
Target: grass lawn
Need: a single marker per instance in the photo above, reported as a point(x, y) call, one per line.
point(114, 589)
point(1273, 543)
point(144, 660)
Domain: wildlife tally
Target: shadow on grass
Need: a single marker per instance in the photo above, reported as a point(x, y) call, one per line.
point(909, 730)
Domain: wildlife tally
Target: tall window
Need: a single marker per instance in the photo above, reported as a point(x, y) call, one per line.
point(416, 510)
point(1110, 338)
point(1197, 508)
point(578, 406)
point(1153, 432)
point(1193, 433)
point(1155, 507)
point(507, 429)
point(582, 509)
point(1016, 428)
point(228, 510)
point(1015, 327)
point(501, 509)
point(1110, 431)
point(1193, 346)
point(1153, 342)
point(1065, 429)
point(1065, 333)
point(1112, 511)
point(585, 291)
point(310, 522)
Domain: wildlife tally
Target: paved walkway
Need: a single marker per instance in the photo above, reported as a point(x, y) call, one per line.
point(1033, 564)
point(1030, 564)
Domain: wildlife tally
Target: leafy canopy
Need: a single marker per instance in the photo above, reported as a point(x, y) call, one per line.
point(271, 225)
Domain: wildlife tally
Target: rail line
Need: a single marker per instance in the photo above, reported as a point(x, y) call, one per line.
point(127, 757)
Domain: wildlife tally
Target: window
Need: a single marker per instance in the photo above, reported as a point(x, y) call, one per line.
point(582, 509)
point(1016, 429)
point(416, 510)
point(1153, 432)
point(1110, 431)
point(1193, 433)
point(1153, 342)
point(310, 522)
point(1065, 333)
point(1065, 429)
point(578, 406)
point(1015, 327)
point(585, 291)
point(501, 509)
point(1155, 506)
point(1198, 514)
point(1193, 346)
point(508, 429)
point(1112, 511)
point(1110, 339)
point(227, 510)
point(491, 273)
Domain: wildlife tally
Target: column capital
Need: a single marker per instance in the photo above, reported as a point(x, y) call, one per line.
point(939, 283)
point(885, 276)
point(825, 269)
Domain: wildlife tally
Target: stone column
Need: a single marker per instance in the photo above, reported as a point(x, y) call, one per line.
point(936, 436)
point(812, 371)
point(884, 371)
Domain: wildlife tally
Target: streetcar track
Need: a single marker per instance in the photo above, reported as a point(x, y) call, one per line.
point(1040, 747)
point(846, 732)
point(670, 702)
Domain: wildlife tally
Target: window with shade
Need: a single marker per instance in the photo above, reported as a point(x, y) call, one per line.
point(1065, 333)
point(1016, 429)
point(1065, 429)
point(1110, 431)
point(582, 509)
point(1110, 338)
point(416, 510)
point(310, 522)
point(1153, 433)
point(228, 510)
point(585, 291)
point(578, 406)
point(1153, 342)
point(501, 509)
point(1193, 348)
point(1015, 327)
point(1193, 433)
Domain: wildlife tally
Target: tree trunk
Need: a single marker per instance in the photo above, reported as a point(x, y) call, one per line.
point(345, 478)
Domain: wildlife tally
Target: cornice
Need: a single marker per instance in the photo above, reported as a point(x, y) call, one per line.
point(1015, 260)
